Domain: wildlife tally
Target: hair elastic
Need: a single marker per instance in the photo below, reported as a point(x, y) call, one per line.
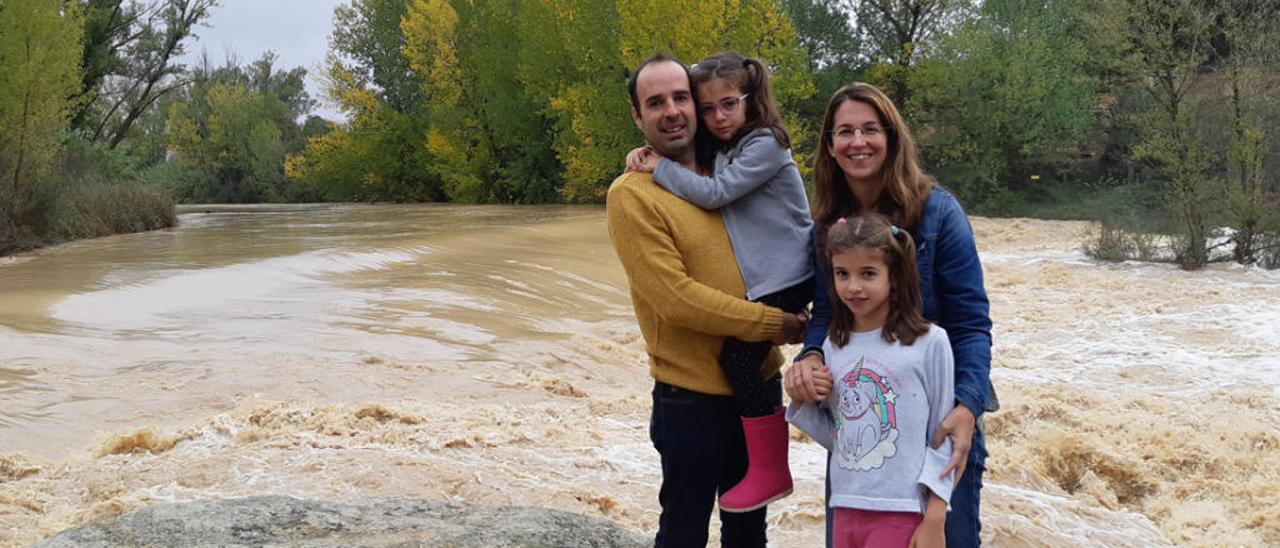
point(841, 221)
point(893, 229)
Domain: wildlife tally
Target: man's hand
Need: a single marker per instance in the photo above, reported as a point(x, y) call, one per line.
point(642, 159)
point(808, 380)
point(959, 425)
point(793, 328)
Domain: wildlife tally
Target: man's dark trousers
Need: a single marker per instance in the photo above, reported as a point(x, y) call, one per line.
point(699, 438)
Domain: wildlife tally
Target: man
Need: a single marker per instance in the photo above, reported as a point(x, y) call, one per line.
point(684, 279)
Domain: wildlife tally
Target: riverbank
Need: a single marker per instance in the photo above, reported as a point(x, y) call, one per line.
point(79, 211)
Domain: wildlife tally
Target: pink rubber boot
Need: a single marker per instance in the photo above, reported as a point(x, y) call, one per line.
point(768, 474)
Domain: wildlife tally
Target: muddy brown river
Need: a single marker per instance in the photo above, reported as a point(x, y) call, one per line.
point(489, 355)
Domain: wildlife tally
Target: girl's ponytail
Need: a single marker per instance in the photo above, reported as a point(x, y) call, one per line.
point(761, 101)
point(755, 73)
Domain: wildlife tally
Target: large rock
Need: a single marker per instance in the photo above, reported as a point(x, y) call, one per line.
point(383, 522)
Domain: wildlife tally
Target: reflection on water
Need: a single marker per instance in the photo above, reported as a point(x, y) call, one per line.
point(489, 354)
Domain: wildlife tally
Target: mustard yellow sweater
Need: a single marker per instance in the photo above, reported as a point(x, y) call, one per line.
point(685, 285)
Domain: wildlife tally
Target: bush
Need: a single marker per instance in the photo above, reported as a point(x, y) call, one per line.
point(95, 192)
point(1269, 252)
point(90, 210)
point(171, 178)
point(1144, 245)
point(1116, 242)
point(1111, 243)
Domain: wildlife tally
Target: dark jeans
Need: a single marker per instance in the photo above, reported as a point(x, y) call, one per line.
point(741, 360)
point(963, 521)
point(699, 438)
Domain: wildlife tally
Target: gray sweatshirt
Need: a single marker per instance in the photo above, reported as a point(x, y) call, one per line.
point(879, 419)
point(758, 188)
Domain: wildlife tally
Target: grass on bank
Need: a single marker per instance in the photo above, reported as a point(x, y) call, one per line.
point(88, 196)
point(95, 210)
point(81, 209)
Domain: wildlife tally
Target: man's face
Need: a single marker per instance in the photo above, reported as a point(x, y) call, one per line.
point(666, 115)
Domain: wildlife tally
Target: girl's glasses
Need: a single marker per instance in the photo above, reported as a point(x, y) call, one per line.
point(847, 133)
point(728, 105)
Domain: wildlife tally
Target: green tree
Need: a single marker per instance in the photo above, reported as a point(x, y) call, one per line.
point(1166, 45)
point(133, 58)
point(236, 145)
point(1006, 96)
point(1245, 44)
point(520, 100)
point(572, 66)
point(40, 49)
point(287, 90)
point(368, 43)
point(377, 152)
point(107, 30)
point(899, 32)
point(579, 52)
point(481, 119)
point(233, 127)
point(832, 44)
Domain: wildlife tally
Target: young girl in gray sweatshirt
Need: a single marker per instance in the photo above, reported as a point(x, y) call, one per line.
point(894, 383)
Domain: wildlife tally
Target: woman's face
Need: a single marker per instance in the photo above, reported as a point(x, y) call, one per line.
point(859, 142)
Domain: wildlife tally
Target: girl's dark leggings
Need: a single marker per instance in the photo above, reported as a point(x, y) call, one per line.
point(741, 360)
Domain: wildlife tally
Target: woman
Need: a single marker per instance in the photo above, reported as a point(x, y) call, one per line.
point(867, 161)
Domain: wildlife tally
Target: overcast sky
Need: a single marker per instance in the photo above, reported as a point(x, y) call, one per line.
point(297, 30)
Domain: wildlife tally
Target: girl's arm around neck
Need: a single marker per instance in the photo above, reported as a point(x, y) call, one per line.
point(758, 163)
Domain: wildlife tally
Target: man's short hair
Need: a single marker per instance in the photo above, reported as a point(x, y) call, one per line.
point(655, 58)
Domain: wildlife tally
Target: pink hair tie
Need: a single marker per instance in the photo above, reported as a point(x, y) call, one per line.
point(841, 221)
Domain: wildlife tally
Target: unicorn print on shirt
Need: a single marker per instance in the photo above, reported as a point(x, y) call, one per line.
point(866, 423)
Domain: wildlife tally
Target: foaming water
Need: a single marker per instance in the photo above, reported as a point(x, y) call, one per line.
point(490, 355)
point(1135, 389)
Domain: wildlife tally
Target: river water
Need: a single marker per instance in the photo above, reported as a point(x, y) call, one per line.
point(489, 355)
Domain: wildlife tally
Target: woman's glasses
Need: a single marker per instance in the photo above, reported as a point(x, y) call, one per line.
point(848, 133)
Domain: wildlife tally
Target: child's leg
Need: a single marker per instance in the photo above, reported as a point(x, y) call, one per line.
point(741, 360)
point(852, 528)
point(764, 426)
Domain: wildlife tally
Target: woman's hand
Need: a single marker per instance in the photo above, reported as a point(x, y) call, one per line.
point(959, 425)
point(808, 380)
point(642, 159)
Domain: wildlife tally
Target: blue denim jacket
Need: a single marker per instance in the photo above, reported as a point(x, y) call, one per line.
point(953, 292)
